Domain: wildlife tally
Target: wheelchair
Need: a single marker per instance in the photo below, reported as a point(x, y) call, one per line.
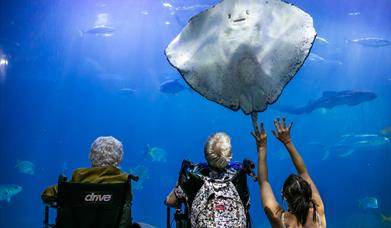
point(85, 205)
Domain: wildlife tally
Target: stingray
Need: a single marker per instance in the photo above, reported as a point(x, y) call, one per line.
point(242, 53)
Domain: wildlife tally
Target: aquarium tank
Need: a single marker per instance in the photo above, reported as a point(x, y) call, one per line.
point(71, 71)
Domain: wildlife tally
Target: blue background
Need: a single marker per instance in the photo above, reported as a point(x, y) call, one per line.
point(61, 90)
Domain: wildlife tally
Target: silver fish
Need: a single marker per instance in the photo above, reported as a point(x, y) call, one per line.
point(100, 30)
point(322, 40)
point(354, 13)
point(128, 91)
point(351, 143)
point(370, 42)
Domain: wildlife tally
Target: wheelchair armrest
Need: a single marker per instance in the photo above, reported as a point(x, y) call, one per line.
point(133, 177)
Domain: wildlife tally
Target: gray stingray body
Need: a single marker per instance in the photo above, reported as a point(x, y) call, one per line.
point(242, 53)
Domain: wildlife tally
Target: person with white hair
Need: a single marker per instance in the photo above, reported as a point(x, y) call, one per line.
point(105, 155)
point(216, 193)
point(218, 150)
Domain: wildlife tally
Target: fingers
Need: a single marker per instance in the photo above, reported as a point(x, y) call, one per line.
point(275, 125)
point(256, 129)
point(253, 134)
point(279, 123)
point(290, 125)
point(262, 129)
point(284, 121)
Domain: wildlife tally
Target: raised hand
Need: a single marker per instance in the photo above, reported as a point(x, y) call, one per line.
point(260, 136)
point(282, 133)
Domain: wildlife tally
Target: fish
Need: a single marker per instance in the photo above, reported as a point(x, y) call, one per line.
point(370, 42)
point(354, 13)
point(172, 87)
point(145, 225)
point(155, 154)
point(100, 30)
point(143, 173)
point(368, 203)
point(385, 218)
point(329, 100)
point(322, 40)
point(348, 144)
point(317, 58)
point(127, 91)
point(230, 53)
point(25, 167)
point(351, 143)
point(167, 5)
point(9, 190)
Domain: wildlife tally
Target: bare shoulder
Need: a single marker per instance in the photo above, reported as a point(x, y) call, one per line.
point(274, 217)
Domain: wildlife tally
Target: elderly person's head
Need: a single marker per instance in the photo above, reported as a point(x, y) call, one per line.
point(106, 151)
point(218, 150)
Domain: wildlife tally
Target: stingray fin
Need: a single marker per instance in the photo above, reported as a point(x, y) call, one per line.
point(347, 153)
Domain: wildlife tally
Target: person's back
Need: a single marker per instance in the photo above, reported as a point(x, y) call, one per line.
point(105, 156)
point(305, 206)
point(212, 197)
point(285, 219)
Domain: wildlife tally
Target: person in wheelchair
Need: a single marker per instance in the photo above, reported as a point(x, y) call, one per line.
point(214, 194)
point(105, 156)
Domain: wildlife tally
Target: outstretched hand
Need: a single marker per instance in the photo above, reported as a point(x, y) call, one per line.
point(283, 132)
point(260, 136)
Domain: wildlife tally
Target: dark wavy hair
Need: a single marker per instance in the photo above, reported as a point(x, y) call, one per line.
point(298, 193)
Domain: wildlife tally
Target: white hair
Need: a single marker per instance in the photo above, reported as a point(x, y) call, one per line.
point(218, 150)
point(106, 151)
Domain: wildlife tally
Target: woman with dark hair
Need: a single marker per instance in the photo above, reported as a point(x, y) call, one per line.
point(305, 206)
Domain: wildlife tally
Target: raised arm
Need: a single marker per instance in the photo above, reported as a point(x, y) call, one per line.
point(269, 201)
point(283, 134)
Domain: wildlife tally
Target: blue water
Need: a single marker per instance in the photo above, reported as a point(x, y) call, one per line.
point(61, 90)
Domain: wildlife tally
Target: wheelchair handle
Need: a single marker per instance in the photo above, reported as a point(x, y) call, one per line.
point(133, 177)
